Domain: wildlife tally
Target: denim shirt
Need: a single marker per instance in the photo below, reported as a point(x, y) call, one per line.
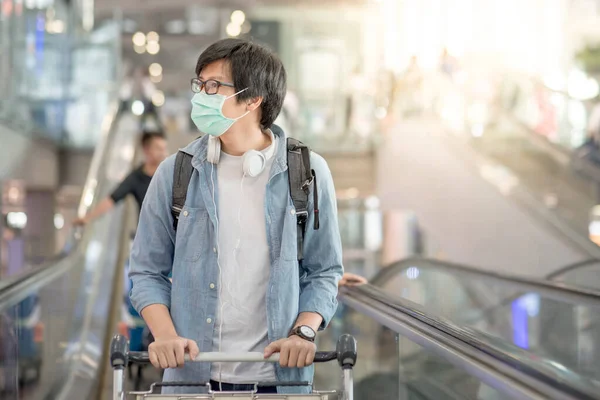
point(189, 254)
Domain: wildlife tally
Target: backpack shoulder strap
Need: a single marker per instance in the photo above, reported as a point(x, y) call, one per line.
point(182, 173)
point(301, 177)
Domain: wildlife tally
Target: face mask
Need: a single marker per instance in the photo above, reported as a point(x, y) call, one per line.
point(207, 113)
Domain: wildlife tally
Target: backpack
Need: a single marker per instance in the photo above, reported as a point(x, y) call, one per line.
point(300, 175)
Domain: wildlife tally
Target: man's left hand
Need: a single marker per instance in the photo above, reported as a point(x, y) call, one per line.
point(293, 351)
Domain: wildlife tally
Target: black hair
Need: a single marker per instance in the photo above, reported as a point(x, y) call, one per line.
point(254, 67)
point(149, 136)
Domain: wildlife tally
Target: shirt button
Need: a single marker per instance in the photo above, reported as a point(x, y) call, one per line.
point(185, 213)
point(214, 249)
point(208, 320)
point(212, 285)
point(293, 211)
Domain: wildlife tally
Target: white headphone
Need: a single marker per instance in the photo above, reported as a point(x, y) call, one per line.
point(253, 161)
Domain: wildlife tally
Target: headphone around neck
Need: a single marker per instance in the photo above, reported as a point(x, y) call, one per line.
point(253, 161)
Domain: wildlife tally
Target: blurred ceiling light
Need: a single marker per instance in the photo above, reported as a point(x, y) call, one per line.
point(233, 30)
point(137, 108)
point(175, 27)
point(56, 26)
point(246, 27)
point(14, 194)
point(158, 98)
point(139, 49)
point(238, 17)
point(139, 39)
point(156, 79)
point(153, 48)
point(16, 220)
point(59, 221)
point(59, 26)
point(152, 37)
point(155, 69)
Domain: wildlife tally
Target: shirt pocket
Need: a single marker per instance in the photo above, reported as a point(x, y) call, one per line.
point(193, 232)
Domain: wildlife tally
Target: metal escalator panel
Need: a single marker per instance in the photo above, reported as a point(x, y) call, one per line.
point(549, 320)
point(405, 352)
point(53, 320)
point(392, 366)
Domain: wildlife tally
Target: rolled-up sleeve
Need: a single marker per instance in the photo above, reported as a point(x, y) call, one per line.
point(152, 252)
point(322, 265)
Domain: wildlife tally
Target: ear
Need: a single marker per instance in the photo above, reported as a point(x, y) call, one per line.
point(254, 103)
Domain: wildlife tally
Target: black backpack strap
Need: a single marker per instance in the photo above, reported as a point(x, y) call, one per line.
point(301, 177)
point(182, 173)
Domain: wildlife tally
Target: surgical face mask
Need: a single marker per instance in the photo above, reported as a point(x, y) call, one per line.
point(207, 113)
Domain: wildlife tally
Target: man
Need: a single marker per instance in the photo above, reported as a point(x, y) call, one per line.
point(237, 285)
point(154, 147)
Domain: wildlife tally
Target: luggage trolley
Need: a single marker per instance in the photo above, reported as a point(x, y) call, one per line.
point(121, 357)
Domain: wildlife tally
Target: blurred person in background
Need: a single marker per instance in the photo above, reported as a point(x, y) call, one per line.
point(589, 151)
point(410, 89)
point(593, 125)
point(233, 252)
point(448, 64)
point(138, 86)
point(154, 147)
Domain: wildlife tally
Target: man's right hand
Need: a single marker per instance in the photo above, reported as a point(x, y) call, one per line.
point(168, 352)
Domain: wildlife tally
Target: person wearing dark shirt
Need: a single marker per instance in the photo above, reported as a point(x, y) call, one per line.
point(154, 147)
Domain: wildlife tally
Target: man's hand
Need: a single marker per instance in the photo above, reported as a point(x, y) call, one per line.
point(168, 352)
point(349, 279)
point(293, 351)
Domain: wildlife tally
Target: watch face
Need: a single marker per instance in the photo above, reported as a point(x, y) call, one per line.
point(307, 331)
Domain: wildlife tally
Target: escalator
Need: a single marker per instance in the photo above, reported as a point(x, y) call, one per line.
point(538, 150)
point(54, 321)
point(407, 352)
point(552, 325)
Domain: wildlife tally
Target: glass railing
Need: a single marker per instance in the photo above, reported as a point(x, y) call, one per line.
point(54, 319)
point(550, 320)
point(406, 352)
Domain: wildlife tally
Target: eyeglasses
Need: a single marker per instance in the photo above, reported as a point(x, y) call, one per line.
point(210, 86)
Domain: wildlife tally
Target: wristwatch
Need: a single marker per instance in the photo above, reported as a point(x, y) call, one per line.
point(305, 332)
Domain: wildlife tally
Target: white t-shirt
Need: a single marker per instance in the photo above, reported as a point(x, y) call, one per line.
point(245, 269)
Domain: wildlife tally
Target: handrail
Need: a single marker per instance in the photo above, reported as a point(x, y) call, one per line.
point(501, 365)
point(571, 267)
point(555, 290)
point(21, 285)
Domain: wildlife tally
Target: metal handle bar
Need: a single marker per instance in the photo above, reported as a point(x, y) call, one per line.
point(141, 357)
point(120, 356)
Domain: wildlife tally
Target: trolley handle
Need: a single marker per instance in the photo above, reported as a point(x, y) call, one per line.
point(120, 356)
point(141, 357)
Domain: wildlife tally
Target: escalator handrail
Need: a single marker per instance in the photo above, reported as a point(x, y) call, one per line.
point(520, 364)
point(16, 287)
point(557, 290)
point(571, 267)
